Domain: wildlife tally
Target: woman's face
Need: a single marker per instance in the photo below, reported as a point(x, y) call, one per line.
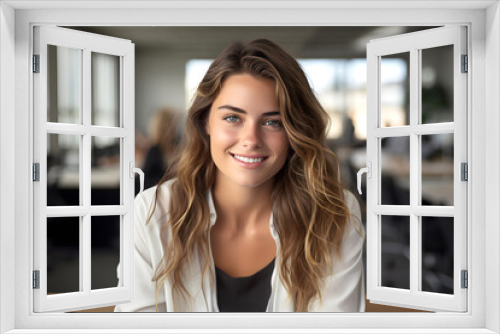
point(248, 143)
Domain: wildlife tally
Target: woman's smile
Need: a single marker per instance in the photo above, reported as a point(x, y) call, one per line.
point(249, 162)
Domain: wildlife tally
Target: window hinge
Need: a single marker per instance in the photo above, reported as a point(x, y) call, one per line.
point(465, 64)
point(36, 172)
point(465, 279)
point(465, 171)
point(36, 279)
point(36, 63)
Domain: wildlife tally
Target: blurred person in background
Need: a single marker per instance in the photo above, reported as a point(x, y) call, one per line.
point(164, 141)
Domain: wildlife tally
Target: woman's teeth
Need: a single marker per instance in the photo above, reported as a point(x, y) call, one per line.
point(248, 160)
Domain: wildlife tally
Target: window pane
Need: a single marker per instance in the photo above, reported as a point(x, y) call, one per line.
point(63, 254)
point(105, 90)
point(437, 169)
point(437, 84)
point(396, 251)
point(63, 170)
point(437, 254)
point(395, 171)
point(105, 172)
point(64, 66)
point(395, 90)
point(105, 251)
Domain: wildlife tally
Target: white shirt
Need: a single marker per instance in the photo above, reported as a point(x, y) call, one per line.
point(343, 290)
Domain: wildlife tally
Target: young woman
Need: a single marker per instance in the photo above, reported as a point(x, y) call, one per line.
point(255, 218)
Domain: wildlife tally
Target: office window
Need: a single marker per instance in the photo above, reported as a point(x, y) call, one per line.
point(481, 44)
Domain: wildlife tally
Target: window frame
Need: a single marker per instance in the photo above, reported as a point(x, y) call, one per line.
point(85, 130)
point(414, 44)
point(483, 101)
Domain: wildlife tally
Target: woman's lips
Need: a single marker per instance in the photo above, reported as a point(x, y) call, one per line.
point(249, 165)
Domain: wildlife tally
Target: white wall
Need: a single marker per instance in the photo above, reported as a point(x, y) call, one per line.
point(492, 157)
point(7, 160)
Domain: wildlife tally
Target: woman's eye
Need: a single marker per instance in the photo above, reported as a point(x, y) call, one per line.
point(274, 123)
point(231, 119)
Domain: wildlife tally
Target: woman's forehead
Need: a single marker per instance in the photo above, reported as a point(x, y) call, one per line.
point(245, 91)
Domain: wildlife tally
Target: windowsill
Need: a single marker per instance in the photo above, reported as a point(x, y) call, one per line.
point(369, 308)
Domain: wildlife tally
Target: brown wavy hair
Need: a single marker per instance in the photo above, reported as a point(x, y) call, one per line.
point(310, 212)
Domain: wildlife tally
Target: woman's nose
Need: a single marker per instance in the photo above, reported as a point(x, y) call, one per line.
point(252, 135)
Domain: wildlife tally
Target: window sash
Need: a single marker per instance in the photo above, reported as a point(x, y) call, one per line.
point(86, 297)
point(413, 297)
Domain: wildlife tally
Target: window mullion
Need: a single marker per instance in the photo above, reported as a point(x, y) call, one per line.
point(406, 210)
point(434, 129)
point(415, 251)
point(85, 242)
point(125, 191)
point(81, 257)
point(85, 254)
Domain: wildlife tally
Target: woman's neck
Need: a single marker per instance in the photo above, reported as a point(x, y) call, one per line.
point(242, 209)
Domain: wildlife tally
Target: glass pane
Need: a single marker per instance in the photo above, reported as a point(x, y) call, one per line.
point(63, 170)
point(395, 90)
point(64, 67)
point(395, 171)
point(105, 173)
point(437, 254)
point(396, 252)
point(105, 90)
point(437, 169)
point(437, 84)
point(105, 256)
point(63, 255)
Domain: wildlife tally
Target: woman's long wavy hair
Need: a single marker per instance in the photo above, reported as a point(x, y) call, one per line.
point(310, 212)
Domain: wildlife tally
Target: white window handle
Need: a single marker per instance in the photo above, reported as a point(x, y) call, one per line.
point(367, 170)
point(134, 170)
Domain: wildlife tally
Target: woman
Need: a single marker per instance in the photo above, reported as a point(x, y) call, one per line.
point(255, 218)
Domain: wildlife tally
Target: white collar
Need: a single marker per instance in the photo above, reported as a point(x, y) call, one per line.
point(211, 206)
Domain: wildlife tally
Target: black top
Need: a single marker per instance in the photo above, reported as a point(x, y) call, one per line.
point(244, 294)
point(154, 167)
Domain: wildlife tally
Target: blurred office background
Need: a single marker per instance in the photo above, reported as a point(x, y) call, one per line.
point(170, 62)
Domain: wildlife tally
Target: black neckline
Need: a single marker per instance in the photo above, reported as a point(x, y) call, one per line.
point(258, 273)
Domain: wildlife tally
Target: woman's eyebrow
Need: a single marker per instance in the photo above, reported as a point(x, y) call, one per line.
point(241, 111)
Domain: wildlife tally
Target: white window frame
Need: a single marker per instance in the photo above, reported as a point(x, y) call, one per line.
point(86, 44)
point(17, 19)
point(414, 44)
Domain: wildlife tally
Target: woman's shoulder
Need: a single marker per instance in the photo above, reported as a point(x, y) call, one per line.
point(154, 198)
point(351, 201)
point(148, 195)
point(355, 211)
